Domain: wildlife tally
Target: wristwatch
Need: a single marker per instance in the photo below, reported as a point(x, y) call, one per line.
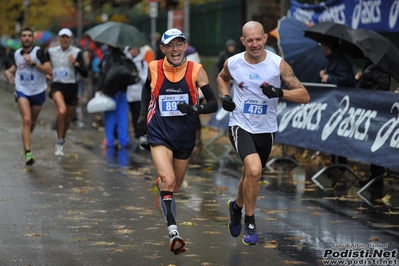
point(77, 64)
point(33, 64)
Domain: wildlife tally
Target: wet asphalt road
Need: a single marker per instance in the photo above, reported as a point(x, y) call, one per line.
point(97, 207)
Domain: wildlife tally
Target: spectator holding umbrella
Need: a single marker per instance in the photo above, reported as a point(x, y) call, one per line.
point(382, 64)
point(374, 78)
point(117, 73)
point(339, 71)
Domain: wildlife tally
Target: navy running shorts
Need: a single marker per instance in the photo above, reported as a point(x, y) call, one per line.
point(181, 154)
point(36, 100)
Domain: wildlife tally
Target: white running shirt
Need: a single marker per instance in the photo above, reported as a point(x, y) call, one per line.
point(63, 70)
point(255, 112)
point(29, 80)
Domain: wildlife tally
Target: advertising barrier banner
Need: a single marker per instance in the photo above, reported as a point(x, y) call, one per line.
point(355, 123)
point(378, 15)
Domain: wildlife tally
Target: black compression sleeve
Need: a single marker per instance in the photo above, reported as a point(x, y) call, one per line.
point(82, 66)
point(41, 55)
point(145, 97)
point(211, 104)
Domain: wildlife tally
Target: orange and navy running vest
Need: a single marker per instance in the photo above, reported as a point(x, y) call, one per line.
point(170, 85)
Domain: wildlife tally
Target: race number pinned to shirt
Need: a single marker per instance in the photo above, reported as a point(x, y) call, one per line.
point(26, 76)
point(168, 104)
point(61, 73)
point(254, 107)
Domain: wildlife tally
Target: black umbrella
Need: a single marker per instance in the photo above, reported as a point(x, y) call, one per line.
point(378, 49)
point(321, 30)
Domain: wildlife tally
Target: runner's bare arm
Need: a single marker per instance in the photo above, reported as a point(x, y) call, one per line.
point(45, 68)
point(297, 92)
point(10, 74)
point(202, 78)
point(223, 80)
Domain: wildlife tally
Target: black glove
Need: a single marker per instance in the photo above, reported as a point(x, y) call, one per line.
point(271, 92)
point(227, 103)
point(187, 109)
point(142, 123)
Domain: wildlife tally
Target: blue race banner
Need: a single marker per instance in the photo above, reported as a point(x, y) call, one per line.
point(377, 15)
point(356, 123)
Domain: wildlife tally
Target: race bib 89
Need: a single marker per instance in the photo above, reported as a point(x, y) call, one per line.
point(168, 104)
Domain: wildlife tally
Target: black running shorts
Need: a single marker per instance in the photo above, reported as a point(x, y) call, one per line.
point(69, 91)
point(246, 143)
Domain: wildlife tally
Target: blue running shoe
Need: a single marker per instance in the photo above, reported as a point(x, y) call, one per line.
point(250, 236)
point(234, 224)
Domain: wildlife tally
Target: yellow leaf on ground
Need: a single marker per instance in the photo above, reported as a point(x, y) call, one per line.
point(268, 245)
point(386, 199)
point(271, 244)
point(212, 233)
point(385, 225)
point(310, 189)
point(135, 173)
point(117, 249)
point(31, 234)
point(124, 231)
point(132, 208)
point(275, 211)
point(103, 243)
point(188, 223)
